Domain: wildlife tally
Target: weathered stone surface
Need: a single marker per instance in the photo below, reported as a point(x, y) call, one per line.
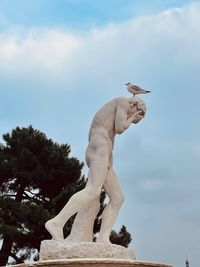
point(94, 263)
point(52, 249)
point(113, 118)
point(82, 228)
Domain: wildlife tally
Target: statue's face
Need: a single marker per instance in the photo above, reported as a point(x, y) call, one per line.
point(137, 104)
point(141, 106)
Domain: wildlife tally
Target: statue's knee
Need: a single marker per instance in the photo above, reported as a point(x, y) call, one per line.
point(94, 193)
point(118, 200)
point(97, 193)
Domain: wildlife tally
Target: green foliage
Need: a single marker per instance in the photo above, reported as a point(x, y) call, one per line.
point(122, 238)
point(37, 178)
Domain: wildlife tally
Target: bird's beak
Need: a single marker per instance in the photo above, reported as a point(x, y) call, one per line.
point(126, 83)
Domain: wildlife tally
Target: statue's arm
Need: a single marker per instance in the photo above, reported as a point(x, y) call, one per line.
point(122, 121)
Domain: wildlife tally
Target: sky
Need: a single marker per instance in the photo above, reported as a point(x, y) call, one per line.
point(60, 61)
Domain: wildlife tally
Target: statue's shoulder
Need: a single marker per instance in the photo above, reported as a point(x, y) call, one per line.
point(120, 100)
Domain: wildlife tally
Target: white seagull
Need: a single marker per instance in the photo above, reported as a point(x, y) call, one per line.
point(136, 90)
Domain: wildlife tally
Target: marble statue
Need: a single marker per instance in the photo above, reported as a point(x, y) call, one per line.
point(78, 249)
point(113, 118)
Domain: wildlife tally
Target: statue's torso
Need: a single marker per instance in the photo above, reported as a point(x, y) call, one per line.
point(103, 122)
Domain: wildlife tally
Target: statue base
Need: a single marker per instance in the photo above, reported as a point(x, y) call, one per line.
point(93, 263)
point(87, 254)
point(52, 249)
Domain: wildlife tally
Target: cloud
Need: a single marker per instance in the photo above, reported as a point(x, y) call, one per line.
point(35, 50)
point(128, 49)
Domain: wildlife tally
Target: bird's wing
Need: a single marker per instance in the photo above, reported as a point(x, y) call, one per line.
point(135, 87)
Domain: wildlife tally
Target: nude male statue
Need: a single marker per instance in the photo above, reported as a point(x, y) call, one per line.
point(113, 118)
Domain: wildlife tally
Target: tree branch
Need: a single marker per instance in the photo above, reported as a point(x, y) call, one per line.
point(18, 260)
point(8, 195)
point(34, 198)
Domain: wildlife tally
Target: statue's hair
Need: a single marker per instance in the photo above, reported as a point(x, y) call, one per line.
point(136, 100)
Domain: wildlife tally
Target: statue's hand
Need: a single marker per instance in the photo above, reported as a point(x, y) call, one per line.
point(137, 116)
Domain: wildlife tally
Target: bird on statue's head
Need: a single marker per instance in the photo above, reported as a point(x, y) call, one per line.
point(136, 90)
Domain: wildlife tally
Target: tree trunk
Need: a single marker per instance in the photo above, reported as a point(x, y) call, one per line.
point(7, 241)
point(5, 250)
point(20, 192)
point(18, 260)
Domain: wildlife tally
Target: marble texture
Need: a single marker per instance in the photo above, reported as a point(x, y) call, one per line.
point(82, 229)
point(93, 263)
point(112, 119)
point(52, 249)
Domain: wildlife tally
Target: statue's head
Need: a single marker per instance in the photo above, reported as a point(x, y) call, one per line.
point(137, 104)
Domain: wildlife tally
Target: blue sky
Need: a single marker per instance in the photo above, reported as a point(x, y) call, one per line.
point(62, 60)
point(78, 13)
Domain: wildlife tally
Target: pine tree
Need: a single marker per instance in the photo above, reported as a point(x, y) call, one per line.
point(37, 178)
point(122, 238)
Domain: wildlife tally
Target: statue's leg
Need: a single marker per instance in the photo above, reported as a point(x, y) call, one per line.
point(96, 177)
point(82, 229)
point(113, 189)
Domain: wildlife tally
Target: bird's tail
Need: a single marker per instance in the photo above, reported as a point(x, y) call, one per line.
point(148, 91)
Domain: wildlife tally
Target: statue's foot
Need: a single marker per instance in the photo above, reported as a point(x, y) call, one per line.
point(55, 230)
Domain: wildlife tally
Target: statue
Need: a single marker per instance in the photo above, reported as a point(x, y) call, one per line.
point(113, 118)
point(78, 249)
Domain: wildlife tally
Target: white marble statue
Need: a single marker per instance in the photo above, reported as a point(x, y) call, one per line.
point(113, 118)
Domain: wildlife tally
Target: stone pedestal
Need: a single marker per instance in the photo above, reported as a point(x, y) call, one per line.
point(51, 250)
point(88, 254)
point(94, 263)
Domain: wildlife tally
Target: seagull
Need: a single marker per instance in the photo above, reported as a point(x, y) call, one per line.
point(136, 90)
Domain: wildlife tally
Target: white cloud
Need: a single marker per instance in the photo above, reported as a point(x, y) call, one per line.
point(129, 49)
point(38, 49)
